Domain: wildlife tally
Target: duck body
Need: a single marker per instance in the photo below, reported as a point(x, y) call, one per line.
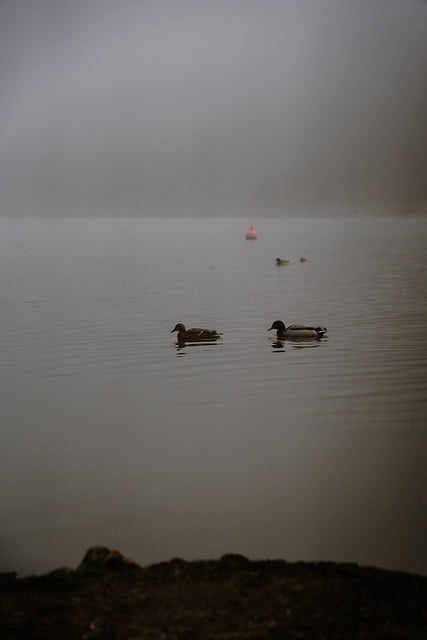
point(195, 333)
point(297, 330)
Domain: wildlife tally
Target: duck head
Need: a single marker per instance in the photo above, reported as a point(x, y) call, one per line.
point(278, 325)
point(179, 327)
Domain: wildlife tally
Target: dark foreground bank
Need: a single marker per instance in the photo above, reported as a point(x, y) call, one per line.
point(109, 596)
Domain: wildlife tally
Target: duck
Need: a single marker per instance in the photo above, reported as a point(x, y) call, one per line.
point(195, 333)
point(279, 261)
point(296, 330)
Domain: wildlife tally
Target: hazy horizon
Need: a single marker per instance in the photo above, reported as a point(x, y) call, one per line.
point(239, 107)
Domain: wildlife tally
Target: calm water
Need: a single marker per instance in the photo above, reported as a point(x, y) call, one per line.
point(111, 435)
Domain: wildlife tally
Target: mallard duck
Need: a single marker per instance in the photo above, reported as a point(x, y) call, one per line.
point(296, 330)
point(195, 333)
point(279, 261)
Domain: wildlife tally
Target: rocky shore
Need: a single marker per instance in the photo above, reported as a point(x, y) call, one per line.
point(110, 597)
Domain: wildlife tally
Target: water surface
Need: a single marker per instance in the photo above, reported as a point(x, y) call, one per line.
point(112, 435)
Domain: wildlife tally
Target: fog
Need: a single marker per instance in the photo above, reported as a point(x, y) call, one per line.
point(224, 107)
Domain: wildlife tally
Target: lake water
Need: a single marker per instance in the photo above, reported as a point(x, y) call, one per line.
point(110, 434)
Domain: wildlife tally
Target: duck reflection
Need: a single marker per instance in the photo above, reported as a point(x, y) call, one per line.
point(301, 343)
point(278, 346)
point(295, 343)
point(182, 345)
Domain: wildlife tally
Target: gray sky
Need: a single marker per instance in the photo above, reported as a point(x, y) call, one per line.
point(213, 105)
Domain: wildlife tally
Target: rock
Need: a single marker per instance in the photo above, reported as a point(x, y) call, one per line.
point(234, 558)
point(95, 556)
point(115, 561)
point(99, 559)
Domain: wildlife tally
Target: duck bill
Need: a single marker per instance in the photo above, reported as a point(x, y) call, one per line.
point(270, 328)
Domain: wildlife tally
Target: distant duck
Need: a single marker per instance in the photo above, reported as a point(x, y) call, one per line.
point(302, 259)
point(251, 234)
point(195, 333)
point(279, 261)
point(296, 330)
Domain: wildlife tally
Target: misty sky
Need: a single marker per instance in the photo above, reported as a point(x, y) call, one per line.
point(213, 105)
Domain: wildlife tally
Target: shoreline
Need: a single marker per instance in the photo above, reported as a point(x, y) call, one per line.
point(110, 596)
